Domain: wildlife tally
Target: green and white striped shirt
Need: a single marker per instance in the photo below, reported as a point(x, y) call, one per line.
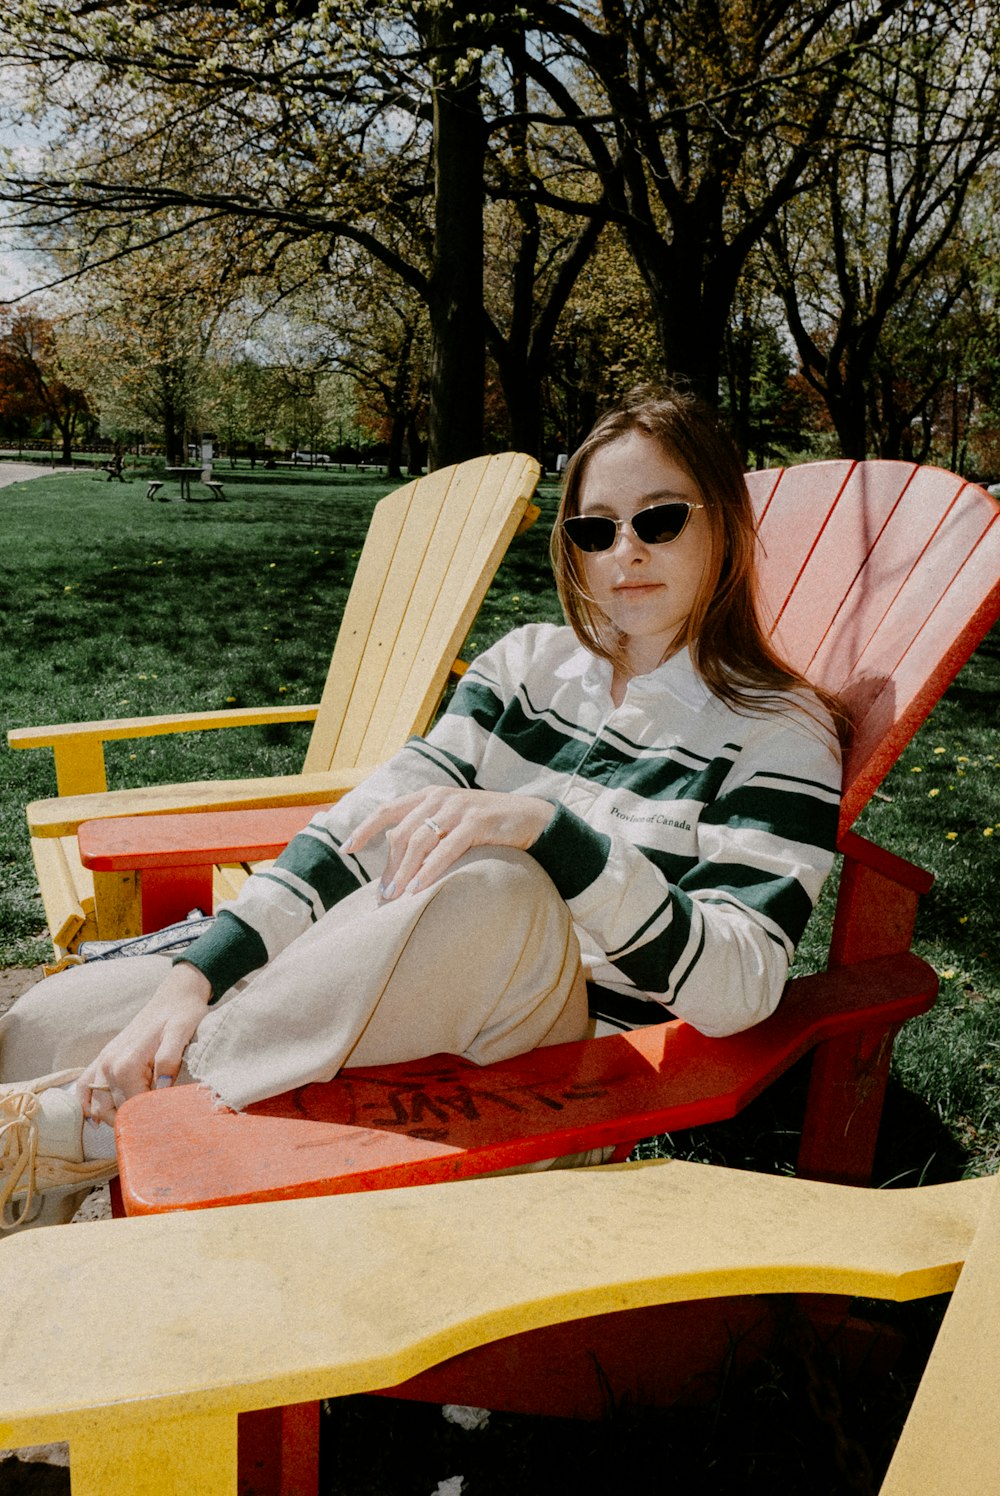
point(690, 841)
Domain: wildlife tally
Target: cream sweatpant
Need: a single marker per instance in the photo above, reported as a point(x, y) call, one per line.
point(484, 963)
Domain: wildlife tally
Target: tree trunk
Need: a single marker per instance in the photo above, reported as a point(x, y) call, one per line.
point(415, 448)
point(523, 398)
point(397, 436)
point(458, 345)
point(691, 306)
point(847, 412)
point(172, 437)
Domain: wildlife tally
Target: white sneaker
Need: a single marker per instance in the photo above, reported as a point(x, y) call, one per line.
point(41, 1147)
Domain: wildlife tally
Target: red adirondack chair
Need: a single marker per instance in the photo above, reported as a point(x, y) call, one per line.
point(880, 578)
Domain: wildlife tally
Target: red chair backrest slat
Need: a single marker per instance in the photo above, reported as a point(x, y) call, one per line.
point(880, 580)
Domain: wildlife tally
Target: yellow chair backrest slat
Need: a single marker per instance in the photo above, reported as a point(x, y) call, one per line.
point(431, 552)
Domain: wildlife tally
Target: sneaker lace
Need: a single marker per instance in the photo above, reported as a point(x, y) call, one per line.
point(18, 1154)
point(22, 1168)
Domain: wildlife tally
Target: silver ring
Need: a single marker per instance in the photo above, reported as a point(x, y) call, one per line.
point(438, 830)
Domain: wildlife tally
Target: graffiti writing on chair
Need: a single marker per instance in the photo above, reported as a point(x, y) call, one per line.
point(429, 1106)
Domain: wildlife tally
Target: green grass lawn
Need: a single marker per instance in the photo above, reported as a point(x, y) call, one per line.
point(119, 607)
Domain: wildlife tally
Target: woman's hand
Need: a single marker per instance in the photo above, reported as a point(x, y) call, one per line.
point(429, 830)
point(148, 1048)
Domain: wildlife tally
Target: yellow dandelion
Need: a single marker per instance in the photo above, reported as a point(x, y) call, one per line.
point(963, 919)
point(987, 830)
point(917, 769)
point(933, 794)
point(951, 836)
point(940, 750)
point(230, 699)
point(962, 759)
point(948, 975)
point(282, 690)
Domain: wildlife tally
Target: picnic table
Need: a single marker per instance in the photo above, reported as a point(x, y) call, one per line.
point(183, 476)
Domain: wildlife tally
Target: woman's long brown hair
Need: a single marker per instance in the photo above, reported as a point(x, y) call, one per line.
point(727, 641)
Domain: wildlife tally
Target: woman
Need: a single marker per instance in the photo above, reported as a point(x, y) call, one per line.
point(617, 821)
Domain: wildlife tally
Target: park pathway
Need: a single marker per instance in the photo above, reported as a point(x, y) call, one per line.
point(17, 472)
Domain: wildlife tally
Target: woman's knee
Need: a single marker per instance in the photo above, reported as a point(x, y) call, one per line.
point(502, 885)
point(65, 1020)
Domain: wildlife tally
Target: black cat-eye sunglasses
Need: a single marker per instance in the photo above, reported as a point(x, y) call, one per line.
point(657, 525)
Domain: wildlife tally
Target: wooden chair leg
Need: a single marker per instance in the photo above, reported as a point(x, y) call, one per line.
point(279, 1451)
point(844, 1106)
point(278, 1448)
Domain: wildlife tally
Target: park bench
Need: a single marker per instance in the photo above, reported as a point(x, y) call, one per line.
point(183, 476)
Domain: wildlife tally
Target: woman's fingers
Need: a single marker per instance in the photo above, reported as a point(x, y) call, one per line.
point(381, 820)
point(445, 824)
point(428, 831)
point(151, 1045)
point(102, 1089)
point(424, 853)
point(167, 1060)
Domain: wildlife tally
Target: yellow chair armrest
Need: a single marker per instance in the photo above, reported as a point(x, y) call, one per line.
point(110, 1295)
point(62, 815)
point(78, 746)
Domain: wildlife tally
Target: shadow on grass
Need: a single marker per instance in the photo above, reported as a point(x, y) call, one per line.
point(796, 1423)
point(914, 1147)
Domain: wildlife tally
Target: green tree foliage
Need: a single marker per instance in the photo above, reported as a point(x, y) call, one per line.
point(606, 342)
point(146, 327)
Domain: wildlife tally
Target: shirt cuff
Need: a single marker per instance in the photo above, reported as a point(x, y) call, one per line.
point(572, 853)
point(226, 953)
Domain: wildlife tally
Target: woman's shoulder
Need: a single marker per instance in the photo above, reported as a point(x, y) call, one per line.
point(793, 725)
point(533, 646)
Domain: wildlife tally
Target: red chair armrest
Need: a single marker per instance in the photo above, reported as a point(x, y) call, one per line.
point(442, 1118)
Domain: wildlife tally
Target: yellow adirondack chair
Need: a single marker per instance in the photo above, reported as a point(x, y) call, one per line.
point(142, 1340)
point(431, 552)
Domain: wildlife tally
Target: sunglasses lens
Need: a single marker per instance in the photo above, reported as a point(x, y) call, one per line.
point(657, 525)
point(660, 523)
point(591, 532)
